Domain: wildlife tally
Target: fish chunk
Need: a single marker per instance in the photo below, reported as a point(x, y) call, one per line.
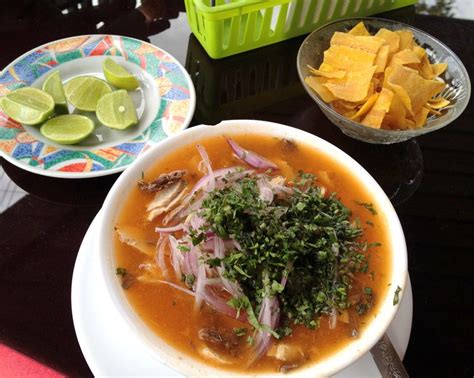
point(162, 182)
point(286, 353)
point(166, 199)
point(136, 238)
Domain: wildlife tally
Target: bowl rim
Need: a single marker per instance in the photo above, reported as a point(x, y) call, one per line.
point(187, 365)
point(384, 132)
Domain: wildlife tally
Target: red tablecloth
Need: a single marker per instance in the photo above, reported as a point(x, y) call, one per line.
point(15, 364)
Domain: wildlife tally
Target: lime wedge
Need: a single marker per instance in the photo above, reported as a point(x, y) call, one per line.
point(84, 91)
point(68, 129)
point(54, 86)
point(117, 110)
point(118, 76)
point(28, 105)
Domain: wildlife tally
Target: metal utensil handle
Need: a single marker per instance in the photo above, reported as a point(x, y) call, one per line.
point(387, 360)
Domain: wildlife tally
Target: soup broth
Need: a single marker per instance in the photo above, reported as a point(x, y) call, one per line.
point(172, 314)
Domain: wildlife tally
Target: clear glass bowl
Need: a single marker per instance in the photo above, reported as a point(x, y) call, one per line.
point(458, 89)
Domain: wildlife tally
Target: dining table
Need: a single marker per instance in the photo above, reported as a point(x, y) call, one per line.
point(428, 179)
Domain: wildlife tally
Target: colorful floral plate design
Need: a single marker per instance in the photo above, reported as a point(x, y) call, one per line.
point(166, 101)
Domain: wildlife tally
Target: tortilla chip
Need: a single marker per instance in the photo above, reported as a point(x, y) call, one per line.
point(317, 84)
point(337, 74)
point(359, 30)
point(349, 104)
point(409, 124)
point(434, 111)
point(419, 51)
point(378, 79)
point(439, 68)
point(438, 103)
point(365, 107)
point(354, 87)
point(406, 39)
point(369, 44)
point(418, 89)
point(425, 68)
point(382, 58)
point(420, 117)
point(404, 57)
point(397, 113)
point(347, 58)
point(340, 107)
point(391, 38)
point(403, 96)
point(381, 107)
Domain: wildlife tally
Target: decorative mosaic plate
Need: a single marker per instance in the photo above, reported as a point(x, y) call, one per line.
point(165, 105)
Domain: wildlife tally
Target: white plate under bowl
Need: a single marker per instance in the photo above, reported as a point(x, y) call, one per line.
point(111, 349)
point(165, 103)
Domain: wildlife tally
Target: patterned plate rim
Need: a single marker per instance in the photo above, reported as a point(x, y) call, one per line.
point(107, 171)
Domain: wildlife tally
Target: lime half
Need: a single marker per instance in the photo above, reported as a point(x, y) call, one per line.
point(67, 129)
point(28, 105)
point(117, 110)
point(54, 86)
point(84, 91)
point(118, 75)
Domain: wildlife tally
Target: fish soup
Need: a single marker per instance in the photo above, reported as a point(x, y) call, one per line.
point(253, 252)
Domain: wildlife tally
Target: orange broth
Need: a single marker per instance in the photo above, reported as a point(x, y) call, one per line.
point(171, 314)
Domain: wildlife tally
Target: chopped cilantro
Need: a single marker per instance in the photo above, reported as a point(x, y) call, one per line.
point(368, 206)
point(240, 331)
point(183, 248)
point(188, 279)
point(121, 272)
point(311, 232)
point(197, 237)
point(213, 262)
point(396, 295)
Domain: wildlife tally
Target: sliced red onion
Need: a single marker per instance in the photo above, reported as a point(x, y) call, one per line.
point(211, 183)
point(288, 269)
point(208, 245)
point(219, 173)
point(214, 281)
point(211, 272)
point(251, 158)
point(160, 254)
point(236, 245)
point(200, 285)
point(176, 257)
point(196, 205)
point(220, 304)
point(269, 316)
point(333, 318)
point(265, 191)
point(196, 222)
point(194, 255)
point(178, 287)
point(219, 251)
point(203, 182)
point(187, 265)
point(229, 245)
point(232, 288)
point(175, 213)
point(169, 230)
point(219, 247)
